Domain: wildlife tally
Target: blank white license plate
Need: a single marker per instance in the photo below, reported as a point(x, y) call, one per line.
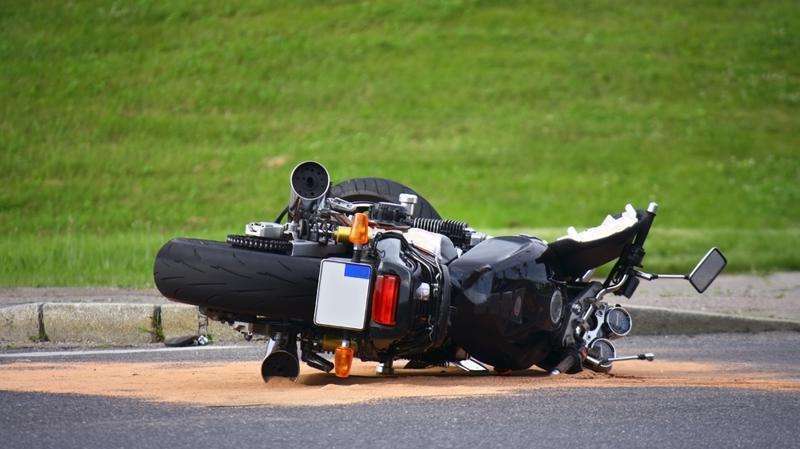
point(342, 294)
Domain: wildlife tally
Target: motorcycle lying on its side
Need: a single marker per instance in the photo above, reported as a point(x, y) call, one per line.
point(367, 268)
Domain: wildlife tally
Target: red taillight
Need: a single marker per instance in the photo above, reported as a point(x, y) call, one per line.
point(384, 299)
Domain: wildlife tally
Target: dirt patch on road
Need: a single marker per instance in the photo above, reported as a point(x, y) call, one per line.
point(239, 384)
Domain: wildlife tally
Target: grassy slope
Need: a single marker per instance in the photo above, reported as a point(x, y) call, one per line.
point(123, 124)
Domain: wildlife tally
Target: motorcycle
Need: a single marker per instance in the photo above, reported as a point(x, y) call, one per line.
point(367, 268)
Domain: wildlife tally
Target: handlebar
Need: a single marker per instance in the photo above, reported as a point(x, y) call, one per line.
point(635, 251)
point(647, 222)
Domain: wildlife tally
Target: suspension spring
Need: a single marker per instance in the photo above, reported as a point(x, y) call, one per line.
point(456, 231)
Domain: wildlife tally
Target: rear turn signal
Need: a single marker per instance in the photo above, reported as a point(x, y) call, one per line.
point(384, 299)
point(359, 232)
point(342, 361)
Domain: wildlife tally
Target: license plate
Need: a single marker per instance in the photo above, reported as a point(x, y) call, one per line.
point(342, 294)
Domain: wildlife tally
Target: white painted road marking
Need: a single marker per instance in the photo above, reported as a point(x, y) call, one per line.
point(23, 355)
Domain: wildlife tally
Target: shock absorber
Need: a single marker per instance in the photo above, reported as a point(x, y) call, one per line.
point(456, 231)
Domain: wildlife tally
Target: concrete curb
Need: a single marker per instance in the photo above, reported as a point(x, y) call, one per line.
point(126, 324)
point(106, 324)
point(21, 323)
point(660, 321)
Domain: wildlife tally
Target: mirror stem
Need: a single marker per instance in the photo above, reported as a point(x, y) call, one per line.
point(672, 276)
point(651, 277)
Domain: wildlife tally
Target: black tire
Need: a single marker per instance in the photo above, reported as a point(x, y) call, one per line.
point(218, 276)
point(378, 189)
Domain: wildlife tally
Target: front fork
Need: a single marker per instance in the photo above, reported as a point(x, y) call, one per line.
point(591, 326)
point(584, 340)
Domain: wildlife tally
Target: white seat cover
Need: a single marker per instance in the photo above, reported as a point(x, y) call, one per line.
point(610, 226)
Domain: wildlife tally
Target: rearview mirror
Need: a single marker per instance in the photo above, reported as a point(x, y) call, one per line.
point(709, 267)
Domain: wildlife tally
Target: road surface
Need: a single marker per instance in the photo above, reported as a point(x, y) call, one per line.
point(707, 391)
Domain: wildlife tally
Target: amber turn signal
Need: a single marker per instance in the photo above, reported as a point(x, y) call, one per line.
point(342, 361)
point(359, 232)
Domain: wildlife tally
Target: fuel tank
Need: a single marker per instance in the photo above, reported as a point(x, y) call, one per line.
point(506, 309)
point(239, 281)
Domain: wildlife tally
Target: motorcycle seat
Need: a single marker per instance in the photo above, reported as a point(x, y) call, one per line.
point(578, 252)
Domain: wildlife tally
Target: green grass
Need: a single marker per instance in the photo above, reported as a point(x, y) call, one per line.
point(125, 123)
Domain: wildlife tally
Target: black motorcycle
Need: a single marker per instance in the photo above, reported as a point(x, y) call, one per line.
point(368, 268)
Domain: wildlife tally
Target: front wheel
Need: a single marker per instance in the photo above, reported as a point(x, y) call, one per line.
point(375, 190)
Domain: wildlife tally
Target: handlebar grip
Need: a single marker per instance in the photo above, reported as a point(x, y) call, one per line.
point(647, 222)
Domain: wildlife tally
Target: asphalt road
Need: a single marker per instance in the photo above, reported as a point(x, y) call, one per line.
point(566, 417)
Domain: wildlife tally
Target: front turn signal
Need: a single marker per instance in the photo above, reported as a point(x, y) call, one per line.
point(359, 232)
point(342, 361)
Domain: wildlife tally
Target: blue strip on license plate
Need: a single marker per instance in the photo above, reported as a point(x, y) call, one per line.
point(356, 271)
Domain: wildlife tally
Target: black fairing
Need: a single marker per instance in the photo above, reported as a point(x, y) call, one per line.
point(503, 300)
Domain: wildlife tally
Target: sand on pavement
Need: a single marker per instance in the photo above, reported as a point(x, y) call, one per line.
point(239, 383)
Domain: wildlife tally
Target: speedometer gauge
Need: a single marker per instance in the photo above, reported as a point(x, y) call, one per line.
point(602, 349)
point(618, 322)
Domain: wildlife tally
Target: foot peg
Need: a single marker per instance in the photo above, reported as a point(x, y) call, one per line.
point(316, 361)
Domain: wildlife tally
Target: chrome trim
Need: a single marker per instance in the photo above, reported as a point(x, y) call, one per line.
point(408, 201)
point(652, 277)
point(611, 288)
point(649, 356)
point(671, 276)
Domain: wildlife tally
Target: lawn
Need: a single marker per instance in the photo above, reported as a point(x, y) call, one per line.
point(125, 123)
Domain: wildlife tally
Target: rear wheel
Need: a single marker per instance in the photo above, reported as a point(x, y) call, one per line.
point(375, 190)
